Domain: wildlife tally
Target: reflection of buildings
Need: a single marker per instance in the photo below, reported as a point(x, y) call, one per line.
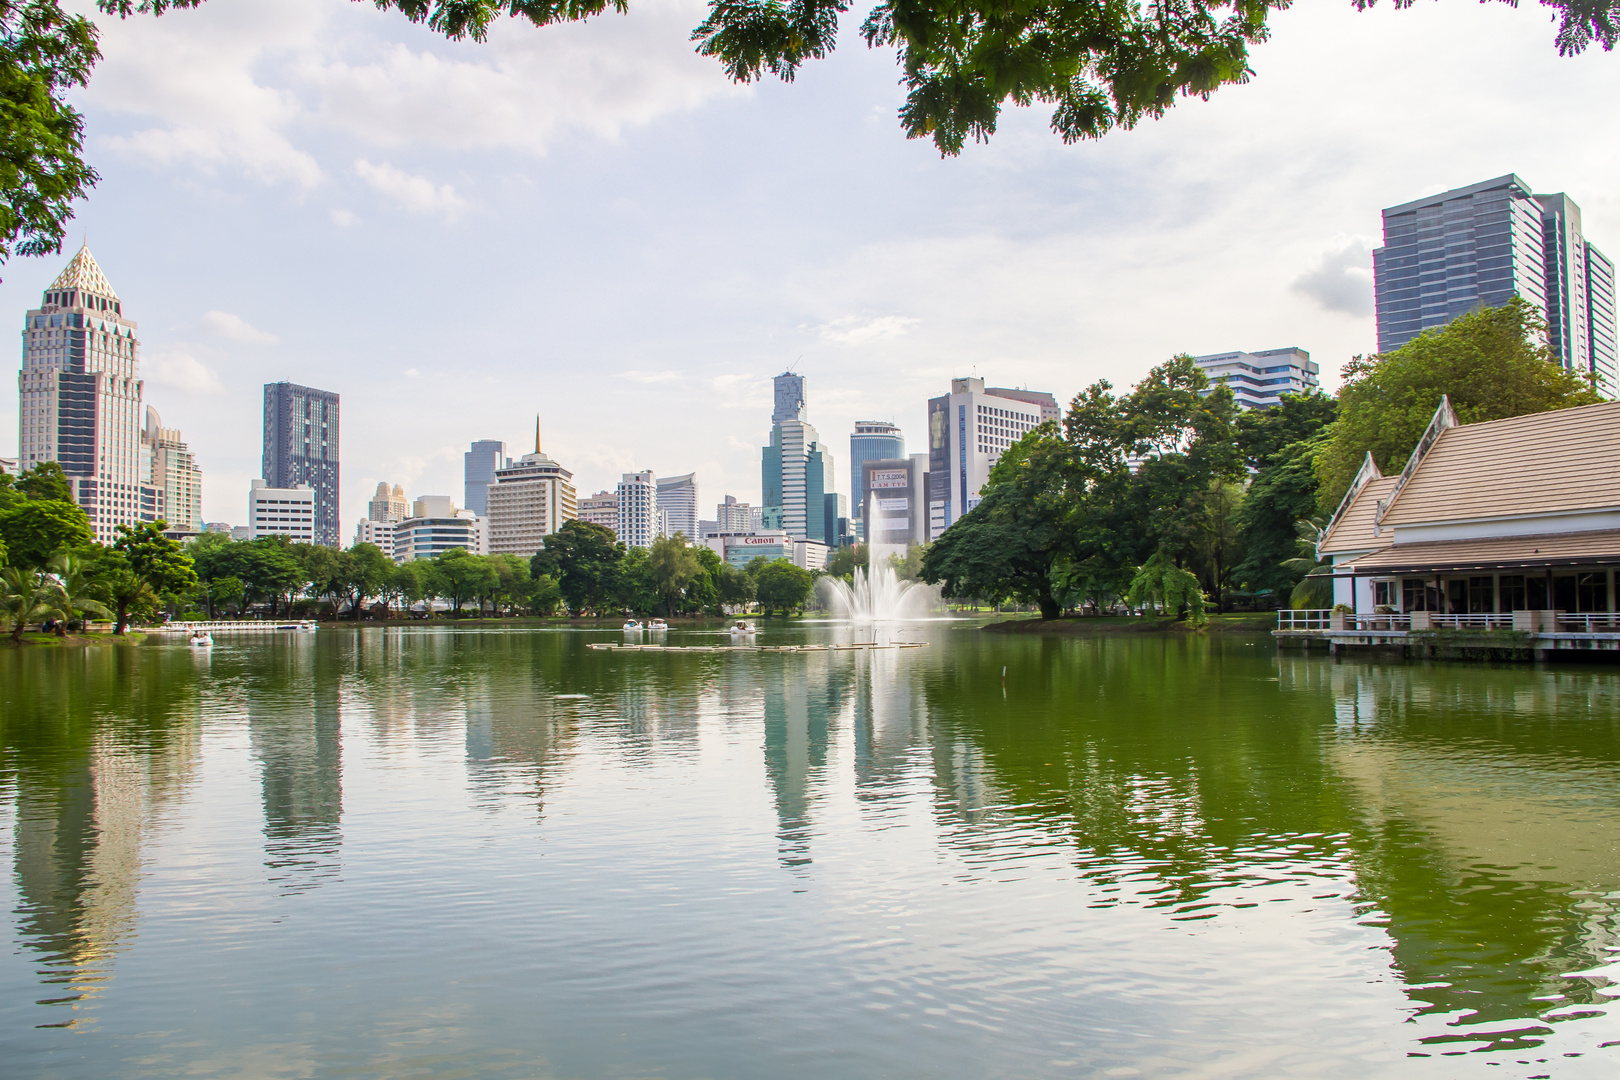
point(80, 823)
point(297, 739)
point(799, 707)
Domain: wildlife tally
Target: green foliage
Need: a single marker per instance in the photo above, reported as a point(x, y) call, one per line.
point(36, 529)
point(76, 577)
point(1168, 587)
point(543, 595)
point(733, 587)
point(1283, 492)
point(674, 567)
point(1491, 363)
point(1263, 433)
point(636, 584)
point(1312, 587)
point(30, 596)
point(781, 586)
point(460, 575)
point(46, 481)
point(584, 560)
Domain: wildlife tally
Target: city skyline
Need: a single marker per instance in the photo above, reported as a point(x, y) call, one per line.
point(1019, 258)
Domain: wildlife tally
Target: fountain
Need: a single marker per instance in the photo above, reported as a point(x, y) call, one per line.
point(878, 595)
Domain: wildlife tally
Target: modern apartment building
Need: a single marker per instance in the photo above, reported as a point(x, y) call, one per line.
point(795, 469)
point(639, 520)
point(436, 526)
point(172, 470)
point(967, 431)
point(678, 502)
point(79, 398)
point(733, 516)
point(281, 511)
point(601, 509)
point(1259, 379)
point(529, 500)
point(1479, 246)
point(301, 447)
point(872, 440)
point(388, 506)
point(378, 533)
point(478, 470)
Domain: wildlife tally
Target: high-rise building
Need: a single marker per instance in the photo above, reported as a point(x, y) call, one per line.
point(1259, 379)
point(173, 472)
point(795, 469)
point(529, 500)
point(894, 497)
point(9, 466)
point(733, 516)
point(436, 526)
point(1481, 245)
point(678, 502)
point(79, 397)
point(836, 530)
point(873, 440)
point(638, 509)
point(277, 511)
point(301, 447)
point(478, 470)
point(388, 506)
point(601, 509)
point(967, 431)
point(377, 533)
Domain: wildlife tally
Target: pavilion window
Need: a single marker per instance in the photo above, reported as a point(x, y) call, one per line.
point(1592, 591)
point(1565, 595)
point(1481, 595)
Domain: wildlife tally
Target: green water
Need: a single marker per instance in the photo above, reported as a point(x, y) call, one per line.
point(416, 852)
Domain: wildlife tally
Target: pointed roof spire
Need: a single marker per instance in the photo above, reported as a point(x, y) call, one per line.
point(537, 433)
point(83, 272)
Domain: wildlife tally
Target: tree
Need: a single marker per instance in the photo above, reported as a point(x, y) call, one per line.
point(155, 559)
point(734, 587)
point(1170, 588)
point(327, 571)
point(1491, 363)
point(1221, 538)
point(29, 596)
point(1282, 492)
point(783, 586)
point(36, 529)
point(46, 481)
point(122, 587)
point(269, 570)
point(77, 580)
point(1262, 433)
point(512, 580)
point(584, 559)
point(462, 576)
point(542, 595)
point(367, 572)
point(674, 567)
point(1313, 587)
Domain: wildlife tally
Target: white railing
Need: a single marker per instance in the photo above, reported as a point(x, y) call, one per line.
point(1376, 621)
point(236, 626)
point(1478, 621)
point(1603, 622)
point(1303, 619)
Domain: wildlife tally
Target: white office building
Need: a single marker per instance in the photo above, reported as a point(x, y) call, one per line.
point(600, 509)
point(678, 502)
point(171, 468)
point(380, 533)
point(435, 526)
point(968, 430)
point(1259, 379)
point(528, 501)
point(288, 512)
point(638, 509)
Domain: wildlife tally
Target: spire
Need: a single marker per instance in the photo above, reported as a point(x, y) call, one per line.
point(83, 273)
point(537, 433)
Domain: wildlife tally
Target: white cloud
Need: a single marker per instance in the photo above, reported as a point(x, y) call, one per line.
point(179, 370)
point(852, 330)
point(416, 194)
point(222, 324)
point(345, 219)
point(1342, 279)
point(651, 376)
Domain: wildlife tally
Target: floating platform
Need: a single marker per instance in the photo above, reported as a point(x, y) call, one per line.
point(858, 646)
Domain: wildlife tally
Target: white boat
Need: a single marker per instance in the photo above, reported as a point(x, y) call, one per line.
point(658, 624)
point(631, 624)
point(742, 629)
point(202, 639)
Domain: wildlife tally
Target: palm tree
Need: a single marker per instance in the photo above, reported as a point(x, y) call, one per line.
point(1315, 586)
point(29, 596)
point(74, 577)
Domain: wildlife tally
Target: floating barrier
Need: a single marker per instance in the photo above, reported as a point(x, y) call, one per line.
point(859, 646)
point(237, 626)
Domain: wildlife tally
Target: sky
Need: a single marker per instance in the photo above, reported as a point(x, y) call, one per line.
point(592, 225)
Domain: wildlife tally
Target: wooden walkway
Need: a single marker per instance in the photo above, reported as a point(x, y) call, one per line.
point(859, 646)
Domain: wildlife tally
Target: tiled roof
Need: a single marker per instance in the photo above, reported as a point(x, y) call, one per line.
point(1544, 463)
point(1353, 529)
point(1493, 553)
point(84, 273)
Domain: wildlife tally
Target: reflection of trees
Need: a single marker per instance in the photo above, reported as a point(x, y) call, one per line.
point(96, 745)
point(1477, 810)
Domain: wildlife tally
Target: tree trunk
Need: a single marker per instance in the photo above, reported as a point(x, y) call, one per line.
point(1049, 604)
point(123, 619)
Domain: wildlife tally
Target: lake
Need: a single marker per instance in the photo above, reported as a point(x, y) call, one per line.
point(425, 852)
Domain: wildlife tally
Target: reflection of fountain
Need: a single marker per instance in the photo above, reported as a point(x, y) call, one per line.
point(877, 597)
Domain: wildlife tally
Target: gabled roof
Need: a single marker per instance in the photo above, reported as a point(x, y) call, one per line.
point(83, 273)
point(1545, 551)
point(1352, 527)
point(1557, 462)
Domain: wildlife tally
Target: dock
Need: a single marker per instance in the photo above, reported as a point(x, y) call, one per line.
point(237, 626)
point(858, 646)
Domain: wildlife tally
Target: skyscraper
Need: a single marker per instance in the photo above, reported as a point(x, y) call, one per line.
point(873, 440)
point(1481, 245)
point(678, 499)
point(80, 398)
point(638, 509)
point(967, 431)
point(1258, 380)
point(301, 447)
point(600, 509)
point(388, 506)
point(529, 500)
point(478, 470)
point(174, 473)
point(795, 469)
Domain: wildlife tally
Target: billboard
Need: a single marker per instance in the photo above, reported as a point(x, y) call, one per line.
point(939, 448)
point(885, 479)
